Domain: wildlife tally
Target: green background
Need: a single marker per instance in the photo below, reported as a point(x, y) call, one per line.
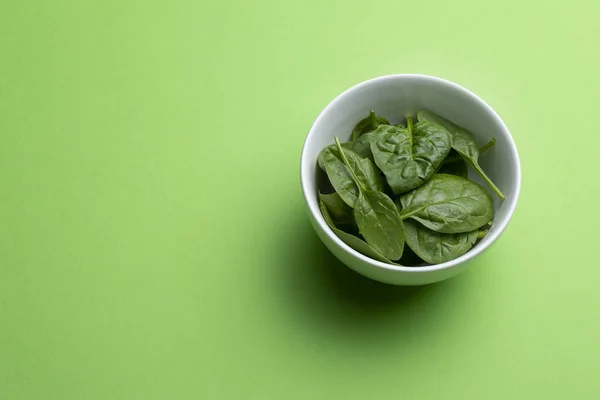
point(153, 237)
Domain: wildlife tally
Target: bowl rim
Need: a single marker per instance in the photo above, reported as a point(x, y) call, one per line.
point(318, 217)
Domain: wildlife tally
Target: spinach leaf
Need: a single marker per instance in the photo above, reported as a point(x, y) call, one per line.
point(340, 212)
point(449, 204)
point(362, 145)
point(368, 124)
point(454, 156)
point(365, 170)
point(435, 247)
point(464, 143)
point(410, 258)
point(341, 178)
point(398, 204)
point(376, 215)
point(356, 243)
point(409, 157)
point(379, 222)
point(332, 148)
point(456, 167)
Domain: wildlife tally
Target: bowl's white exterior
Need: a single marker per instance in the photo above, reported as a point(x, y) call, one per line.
point(393, 97)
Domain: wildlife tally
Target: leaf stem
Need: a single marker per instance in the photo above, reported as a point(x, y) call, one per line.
point(409, 124)
point(481, 234)
point(347, 163)
point(487, 180)
point(373, 119)
point(487, 146)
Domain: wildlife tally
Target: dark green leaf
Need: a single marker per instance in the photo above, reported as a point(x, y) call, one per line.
point(456, 167)
point(340, 212)
point(463, 142)
point(449, 204)
point(362, 145)
point(365, 170)
point(410, 258)
point(435, 247)
point(455, 156)
point(339, 175)
point(376, 215)
point(332, 149)
point(398, 204)
point(356, 243)
point(368, 124)
point(409, 157)
point(341, 178)
point(379, 222)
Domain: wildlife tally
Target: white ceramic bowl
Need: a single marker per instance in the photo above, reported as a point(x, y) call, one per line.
point(394, 97)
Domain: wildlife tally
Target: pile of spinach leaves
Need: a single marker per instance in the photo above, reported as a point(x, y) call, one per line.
point(401, 193)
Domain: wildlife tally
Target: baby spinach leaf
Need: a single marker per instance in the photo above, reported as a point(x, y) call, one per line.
point(409, 157)
point(435, 247)
point(456, 167)
point(365, 170)
point(362, 146)
point(341, 178)
point(454, 156)
point(356, 243)
point(376, 215)
point(398, 204)
point(332, 149)
point(448, 204)
point(379, 222)
point(464, 143)
point(340, 212)
point(410, 258)
point(368, 124)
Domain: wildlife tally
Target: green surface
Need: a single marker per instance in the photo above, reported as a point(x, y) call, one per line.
point(152, 248)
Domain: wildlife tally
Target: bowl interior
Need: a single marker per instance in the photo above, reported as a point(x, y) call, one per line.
point(396, 96)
